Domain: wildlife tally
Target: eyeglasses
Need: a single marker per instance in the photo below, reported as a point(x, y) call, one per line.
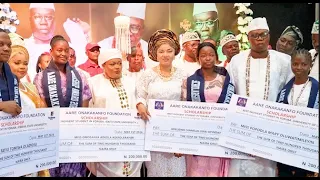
point(262, 35)
point(200, 24)
point(38, 18)
point(135, 29)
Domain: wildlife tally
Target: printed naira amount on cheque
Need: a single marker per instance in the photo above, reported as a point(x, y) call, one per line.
point(104, 141)
point(188, 133)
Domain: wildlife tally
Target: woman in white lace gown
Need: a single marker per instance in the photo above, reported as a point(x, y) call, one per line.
point(161, 82)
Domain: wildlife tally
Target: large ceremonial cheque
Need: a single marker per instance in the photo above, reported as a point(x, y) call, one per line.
point(279, 132)
point(29, 142)
point(188, 128)
point(98, 135)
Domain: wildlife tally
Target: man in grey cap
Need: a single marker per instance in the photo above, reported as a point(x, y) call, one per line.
point(189, 63)
point(230, 46)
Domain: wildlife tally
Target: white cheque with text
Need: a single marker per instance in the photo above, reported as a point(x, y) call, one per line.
point(279, 132)
point(100, 135)
point(188, 128)
point(29, 142)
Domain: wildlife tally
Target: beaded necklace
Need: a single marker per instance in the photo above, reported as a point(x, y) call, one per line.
point(126, 169)
point(267, 79)
point(164, 77)
point(292, 92)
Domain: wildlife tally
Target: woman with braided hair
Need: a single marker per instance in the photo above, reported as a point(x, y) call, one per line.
point(43, 61)
point(302, 90)
point(214, 86)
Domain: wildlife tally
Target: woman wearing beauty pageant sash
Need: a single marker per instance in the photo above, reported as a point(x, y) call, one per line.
point(60, 85)
point(302, 90)
point(9, 88)
point(208, 84)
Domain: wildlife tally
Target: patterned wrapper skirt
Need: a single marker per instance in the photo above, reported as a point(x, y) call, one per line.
point(69, 170)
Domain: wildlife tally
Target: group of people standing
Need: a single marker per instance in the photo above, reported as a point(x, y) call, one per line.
point(111, 79)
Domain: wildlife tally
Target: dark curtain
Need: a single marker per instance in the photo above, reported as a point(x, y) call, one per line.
point(281, 15)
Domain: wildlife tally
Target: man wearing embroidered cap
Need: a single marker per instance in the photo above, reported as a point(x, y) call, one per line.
point(135, 61)
point(120, 95)
point(206, 20)
point(190, 42)
point(314, 72)
point(258, 73)
point(136, 12)
point(230, 47)
point(289, 40)
point(42, 22)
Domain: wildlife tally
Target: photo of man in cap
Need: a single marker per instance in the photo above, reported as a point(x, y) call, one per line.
point(43, 25)
point(136, 12)
point(206, 21)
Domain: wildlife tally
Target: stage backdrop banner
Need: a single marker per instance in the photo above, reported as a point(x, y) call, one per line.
point(80, 23)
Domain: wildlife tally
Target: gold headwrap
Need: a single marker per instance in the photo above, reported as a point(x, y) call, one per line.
point(18, 45)
point(16, 49)
point(160, 37)
point(16, 39)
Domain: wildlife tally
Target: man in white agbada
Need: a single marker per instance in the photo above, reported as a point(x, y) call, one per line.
point(315, 52)
point(136, 12)
point(267, 72)
point(189, 63)
point(42, 22)
point(114, 92)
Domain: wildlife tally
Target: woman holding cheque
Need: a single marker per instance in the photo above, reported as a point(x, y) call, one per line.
point(18, 63)
point(215, 86)
point(68, 88)
point(302, 90)
point(114, 92)
point(161, 82)
point(29, 95)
